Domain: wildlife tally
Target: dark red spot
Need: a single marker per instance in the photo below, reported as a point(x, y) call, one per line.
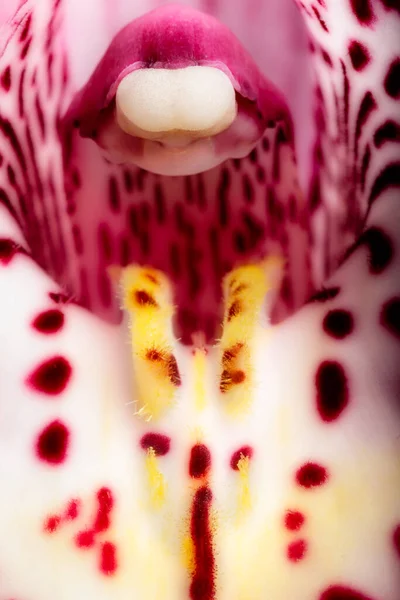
point(200, 461)
point(367, 106)
point(144, 299)
point(203, 580)
point(338, 323)
point(159, 442)
point(326, 57)
point(392, 79)
point(154, 355)
point(362, 9)
point(26, 28)
point(115, 202)
point(390, 316)
point(234, 309)
point(6, 79)
point(72, 510)
point(108, 559)
point(339, 592)
point(325, 294)
point(391, 5)
point(332, 390)
point(388, 132)
point(7, 250)
point(52, 524)
point(320, 19)
point(173, 370)
point(396, 540)
point(359, 55)
point(49, 321)
point(52, 443)
point(365, 162)
point(52, 376)
point(294, 520)
point(85, 539)
point(379, 246)
point(311, 475)
point(388, 178)
point(231, 353)
point(297, 550)
point(58, 297)
point(105, 504)
point(243, 452)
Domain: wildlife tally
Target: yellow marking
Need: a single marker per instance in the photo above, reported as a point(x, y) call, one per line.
point(188, 556)
point(244, 497)
point(199, 368)
point(155, 480)
point(147, 299)
point(245, 289)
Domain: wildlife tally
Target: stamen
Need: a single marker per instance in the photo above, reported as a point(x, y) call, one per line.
point(147, 299)
point(245, 289)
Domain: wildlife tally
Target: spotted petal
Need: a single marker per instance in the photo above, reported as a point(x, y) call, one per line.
point(295, 495)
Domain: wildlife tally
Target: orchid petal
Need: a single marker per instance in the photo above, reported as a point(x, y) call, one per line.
point(316, 456)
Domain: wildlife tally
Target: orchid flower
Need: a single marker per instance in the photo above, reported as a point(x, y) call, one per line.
point(200, 301)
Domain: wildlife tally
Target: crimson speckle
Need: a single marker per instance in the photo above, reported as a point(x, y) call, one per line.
point(325, 294)
point(58, 297)
point(72, 510)
point(390, 316)
point(387, 179)
point(294, 520)
point(243, 452)
point(392, 79)
point(7, 250)
point(52, 524)
point(296, 550)
point(200, 461)
point(379, 246)
point(105, 504)
point(84, 539)
point(362, 10)
point(49, 321)
point(52, 443)
point(311, 475)
point(359, 55)
point(388, 132)
point(159, 442)
point(339, 592)
point(52, 376)
point(108, 558)
point(5, 79)
point(338, 323)
point(332, 390)
point(396, 540)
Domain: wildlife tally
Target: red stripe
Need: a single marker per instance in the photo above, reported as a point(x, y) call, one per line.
point(203, 580)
